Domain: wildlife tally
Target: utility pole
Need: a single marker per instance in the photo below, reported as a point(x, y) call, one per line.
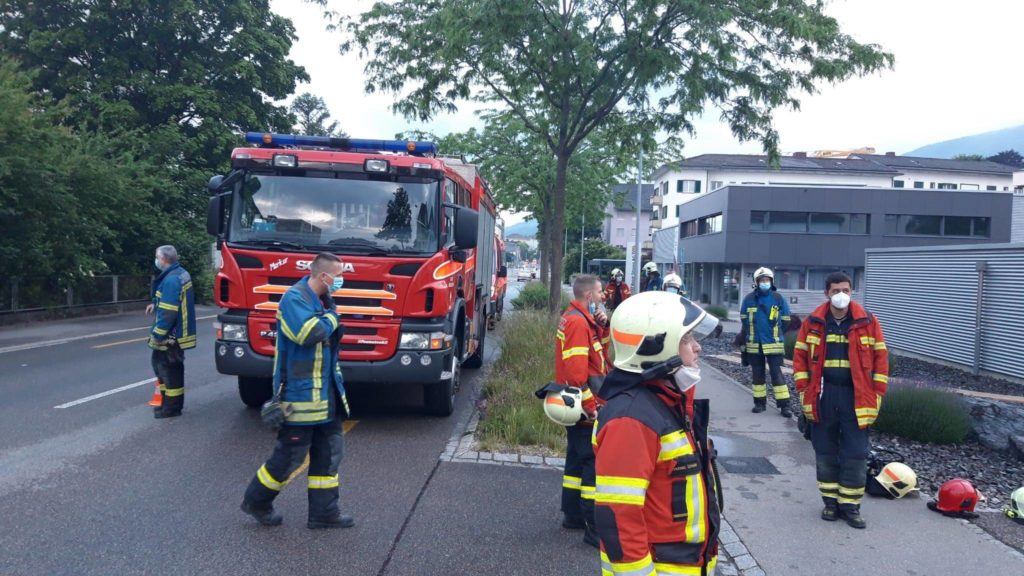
point(639, 196)
point(583, 227)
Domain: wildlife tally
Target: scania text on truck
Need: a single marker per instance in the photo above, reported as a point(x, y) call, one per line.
point(415, 232)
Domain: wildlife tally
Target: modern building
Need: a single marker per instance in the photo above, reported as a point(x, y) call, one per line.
point(682, 181)
point(806, 232)
point(620, 216)
point(1017, 234)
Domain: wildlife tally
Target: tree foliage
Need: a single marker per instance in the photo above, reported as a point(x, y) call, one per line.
point(969, 157)
point(564, 69)
point(594, 248)
point(1008, 158)
point(313, 117)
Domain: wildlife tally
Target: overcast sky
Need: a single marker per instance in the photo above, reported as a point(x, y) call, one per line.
point(957, 73)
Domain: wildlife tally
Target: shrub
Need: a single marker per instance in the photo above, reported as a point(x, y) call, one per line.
point(719, 311)
point(514, 416)
point(534, 296)
point(925, 415)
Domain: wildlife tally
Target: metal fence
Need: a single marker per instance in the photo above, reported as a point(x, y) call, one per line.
point(41, 293)
point(957, 304)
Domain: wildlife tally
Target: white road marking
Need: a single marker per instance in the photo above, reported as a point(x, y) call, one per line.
point(103, 394)
point(44, 344)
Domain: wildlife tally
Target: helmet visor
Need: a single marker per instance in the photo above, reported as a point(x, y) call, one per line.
point(697, 322)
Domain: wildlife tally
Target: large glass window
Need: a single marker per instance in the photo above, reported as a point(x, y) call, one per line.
point(816, 277)
point(337, 213)
point(830, 223)
point(915, 225)
point(787, 222)
point(789, 278)
point(958, 226)
point(980, 227)
point(758, 220)
point(710, 224)
point(860, 223)
point(921, 225)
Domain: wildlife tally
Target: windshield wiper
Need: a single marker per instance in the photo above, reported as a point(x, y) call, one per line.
point(274, 243)
point(373, 247)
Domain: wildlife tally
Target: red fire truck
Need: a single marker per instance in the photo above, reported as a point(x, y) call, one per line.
point(415, 232)
point(500, 278)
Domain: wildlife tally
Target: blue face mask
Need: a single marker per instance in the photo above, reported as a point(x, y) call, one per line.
point(156, 262)
point(672, 289)
point(765, 286)
point(592, 307)
point(337, 284)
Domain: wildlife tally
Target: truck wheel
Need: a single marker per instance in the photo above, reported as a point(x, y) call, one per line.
point(439, 397)
point(255, 391)
point(477, 359)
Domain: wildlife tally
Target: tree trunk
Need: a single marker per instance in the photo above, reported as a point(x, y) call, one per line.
point(556, 226)
point(543, 241)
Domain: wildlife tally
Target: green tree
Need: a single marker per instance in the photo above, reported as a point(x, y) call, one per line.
point(1008, 158)
point(563, 69)
point(594, 248)
point(398, 222)
point(968, 157)
point(313, 116)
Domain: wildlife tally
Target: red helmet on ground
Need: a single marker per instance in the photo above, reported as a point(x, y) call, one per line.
point(956, 496)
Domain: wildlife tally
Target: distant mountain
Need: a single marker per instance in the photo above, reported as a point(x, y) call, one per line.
point(527, 228)
point(986, 144)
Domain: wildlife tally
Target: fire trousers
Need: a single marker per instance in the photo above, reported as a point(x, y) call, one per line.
point(760, 387)
point(169, 368)
point(325, 445)
point(579, 478)
point(840, 448)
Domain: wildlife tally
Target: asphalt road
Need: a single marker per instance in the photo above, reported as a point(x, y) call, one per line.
point(93, 484)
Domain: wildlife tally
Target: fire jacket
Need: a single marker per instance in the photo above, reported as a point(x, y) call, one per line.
point(764, 318)
point(868, 363)
point(174, 309)
point(306, 355)
point(580, 359)
point(657, 502)
point(615, 293)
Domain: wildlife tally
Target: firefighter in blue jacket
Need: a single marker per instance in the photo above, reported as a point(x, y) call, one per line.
point(174, 329)
point(309, 382)
point(764, 315)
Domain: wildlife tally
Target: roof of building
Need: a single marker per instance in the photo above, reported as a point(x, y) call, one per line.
point(854, 164)
point(624, 194)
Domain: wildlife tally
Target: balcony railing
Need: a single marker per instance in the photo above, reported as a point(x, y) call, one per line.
point(657, 200)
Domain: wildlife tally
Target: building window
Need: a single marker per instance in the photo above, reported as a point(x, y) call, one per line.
point(688, 186)
point(897, 183)
point(990, 187)
point(620, 232)
point(918, 184)
point(787, 222)
point(813, 222)
point(664, 212)
point(922, 225)
point(716, 184)
point(758, 221)
point(970, 187)
point(816, 277)
point(677, 210)
point(701, 226)
point(946, 186)
point(688, 229)
point(789, 278)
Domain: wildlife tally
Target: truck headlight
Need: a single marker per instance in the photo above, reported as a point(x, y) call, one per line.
point(233, 333)
point(425, 341)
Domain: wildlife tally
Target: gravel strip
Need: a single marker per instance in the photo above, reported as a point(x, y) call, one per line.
point(996, 475)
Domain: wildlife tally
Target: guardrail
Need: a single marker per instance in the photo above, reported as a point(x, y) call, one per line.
point(35, 294)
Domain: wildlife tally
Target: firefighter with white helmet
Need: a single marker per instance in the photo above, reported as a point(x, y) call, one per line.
point(652, 278)
point(658, 495)
point(617, 290)
point(673, 284)
point(764, 316)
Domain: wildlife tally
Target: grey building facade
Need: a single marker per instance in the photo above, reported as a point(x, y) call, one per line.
point(804, 233)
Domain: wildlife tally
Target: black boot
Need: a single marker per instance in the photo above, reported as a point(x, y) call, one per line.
point(337, 521)
point(164, 412)
point(760, 405)
point(590, 537)
point(853, 518)
point(830, 513)
point(784, 409)
point(573, 522)
point(265, 516)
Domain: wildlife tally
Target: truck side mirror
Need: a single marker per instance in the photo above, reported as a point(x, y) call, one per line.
point(503, 271)
point(215, 214)
point(215, 184)
point(466, 222)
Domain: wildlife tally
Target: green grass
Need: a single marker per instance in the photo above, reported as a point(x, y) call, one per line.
point(721, 312)
point(514, 417)
point(534, 296)
point(925, 415)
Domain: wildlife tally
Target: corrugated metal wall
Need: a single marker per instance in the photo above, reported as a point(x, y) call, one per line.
point(666, 244)
point(1017, 220)
point(927, 302)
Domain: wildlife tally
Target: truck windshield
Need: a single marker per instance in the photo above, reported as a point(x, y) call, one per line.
point(339, 214)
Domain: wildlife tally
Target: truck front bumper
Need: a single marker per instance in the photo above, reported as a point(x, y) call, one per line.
point(239, 359)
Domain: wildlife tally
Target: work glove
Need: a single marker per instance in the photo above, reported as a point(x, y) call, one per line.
point(275, 412)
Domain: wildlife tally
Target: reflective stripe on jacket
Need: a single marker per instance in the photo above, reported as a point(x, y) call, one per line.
point(869, 363)
point(174, 308)
point(656, 502)
point(580, 358)
point(306, 355)
point(764, 318)
point(615, 293)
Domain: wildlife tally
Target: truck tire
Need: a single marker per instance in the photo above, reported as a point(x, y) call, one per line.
point(477, 359)
point(255, 391)
point(439, 397)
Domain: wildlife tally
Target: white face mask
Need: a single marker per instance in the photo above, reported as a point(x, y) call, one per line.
point(841, 300)
point(686, 377)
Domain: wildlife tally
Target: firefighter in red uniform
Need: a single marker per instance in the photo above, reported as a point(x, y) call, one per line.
point(617, 290)
point(658, 499)
point(841, 370)
point(580, 362)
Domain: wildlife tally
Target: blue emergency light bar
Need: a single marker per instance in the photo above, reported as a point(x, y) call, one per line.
point(341, 144)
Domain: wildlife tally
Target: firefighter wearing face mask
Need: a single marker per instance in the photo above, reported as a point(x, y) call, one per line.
point(616, 291)
point(841, 369)
point(580, 362)
point(764, 315)
point(673, 284)
point(658, 496)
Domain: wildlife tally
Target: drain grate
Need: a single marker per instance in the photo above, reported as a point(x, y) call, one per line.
point(747, 465)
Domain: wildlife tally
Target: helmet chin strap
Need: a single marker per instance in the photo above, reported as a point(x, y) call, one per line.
point(662, 368)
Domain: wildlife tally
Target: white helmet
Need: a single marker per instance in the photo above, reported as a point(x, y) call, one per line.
point(646, 329)
point(898, 479)
point(672, 283)
point(650, 267)
point(764, 271)
point(564, 406)
point(616, 273)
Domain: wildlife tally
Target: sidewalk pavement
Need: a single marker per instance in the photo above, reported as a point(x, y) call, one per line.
point(772, 502)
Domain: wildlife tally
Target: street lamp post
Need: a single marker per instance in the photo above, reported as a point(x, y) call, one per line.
point(639, 195)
